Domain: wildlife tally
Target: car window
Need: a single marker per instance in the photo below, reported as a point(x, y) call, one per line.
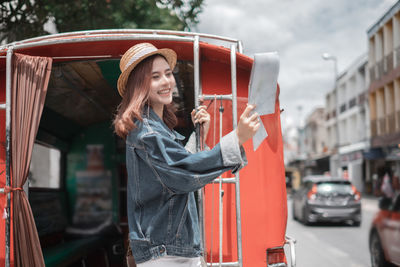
point(340, 188)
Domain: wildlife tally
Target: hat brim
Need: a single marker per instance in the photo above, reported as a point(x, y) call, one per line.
point(167, 53)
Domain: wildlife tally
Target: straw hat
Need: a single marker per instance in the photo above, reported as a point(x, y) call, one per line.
point(135, 55)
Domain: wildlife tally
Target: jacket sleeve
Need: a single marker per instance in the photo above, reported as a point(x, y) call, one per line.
point(191, 144)
point(182, 171)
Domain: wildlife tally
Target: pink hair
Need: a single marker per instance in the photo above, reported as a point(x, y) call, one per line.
point(136, 97)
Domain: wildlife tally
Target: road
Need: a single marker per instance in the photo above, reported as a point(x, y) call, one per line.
point(333, 245)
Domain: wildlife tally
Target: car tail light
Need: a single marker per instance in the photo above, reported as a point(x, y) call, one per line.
point(312, 194)
point(357, 195)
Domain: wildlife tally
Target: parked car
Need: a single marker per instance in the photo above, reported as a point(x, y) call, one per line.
point(384, 235)
point(326, 199)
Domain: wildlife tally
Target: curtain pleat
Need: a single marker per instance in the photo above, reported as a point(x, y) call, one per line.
point(29, 87)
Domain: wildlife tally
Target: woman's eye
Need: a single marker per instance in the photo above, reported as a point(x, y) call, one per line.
point(155, 77)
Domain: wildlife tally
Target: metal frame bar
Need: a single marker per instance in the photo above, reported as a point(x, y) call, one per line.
point(197, 93)
point(240, 47)
point(220, 194)
point(225, 181)
point(291, 242)
point(116, 37)
point(129, 31)
point(225, 264)
point(220, 97)
point(8, 156)
point(237, 187)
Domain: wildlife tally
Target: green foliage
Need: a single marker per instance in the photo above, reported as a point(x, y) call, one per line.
point(21, 19)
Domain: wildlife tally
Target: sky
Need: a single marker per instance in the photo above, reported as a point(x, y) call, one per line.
point(300, 31)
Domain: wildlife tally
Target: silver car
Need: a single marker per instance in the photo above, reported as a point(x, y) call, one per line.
point(327, 199)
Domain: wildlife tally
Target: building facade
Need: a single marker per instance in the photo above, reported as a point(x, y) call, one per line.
point(347, 124)
point(314, 143)
point(384, 97)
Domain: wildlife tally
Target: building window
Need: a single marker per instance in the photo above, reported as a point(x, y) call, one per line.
point(45, 169)
point(361, 98)
point(352, 103)
point(342, 108)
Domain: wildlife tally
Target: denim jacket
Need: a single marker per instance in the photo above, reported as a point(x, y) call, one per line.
point(162, 178)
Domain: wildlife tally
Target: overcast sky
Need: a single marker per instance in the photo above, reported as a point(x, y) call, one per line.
point(300, 31)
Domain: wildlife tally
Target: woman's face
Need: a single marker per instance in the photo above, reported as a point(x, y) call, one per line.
point(162, 83)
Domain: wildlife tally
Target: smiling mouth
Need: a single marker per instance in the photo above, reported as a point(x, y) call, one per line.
point(164, 91)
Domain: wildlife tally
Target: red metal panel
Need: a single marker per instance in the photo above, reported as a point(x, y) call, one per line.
point(263, 190)
point(263, 195)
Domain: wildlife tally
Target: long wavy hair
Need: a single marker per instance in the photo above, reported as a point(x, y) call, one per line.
point(136, 97)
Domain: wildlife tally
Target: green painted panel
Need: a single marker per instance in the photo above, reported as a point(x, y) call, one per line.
point(79, 158)
point(110, 71)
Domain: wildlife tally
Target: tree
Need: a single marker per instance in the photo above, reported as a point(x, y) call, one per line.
point(21, 19)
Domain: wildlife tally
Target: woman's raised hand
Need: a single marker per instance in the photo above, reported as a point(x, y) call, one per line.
point(203, 118)
point(248, 124)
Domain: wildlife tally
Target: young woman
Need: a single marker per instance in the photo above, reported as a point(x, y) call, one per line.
point(163, 174)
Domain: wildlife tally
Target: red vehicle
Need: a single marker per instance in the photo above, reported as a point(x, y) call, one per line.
point(57, 100)
point(384, 237)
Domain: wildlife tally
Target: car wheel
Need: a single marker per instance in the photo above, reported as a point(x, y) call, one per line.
point(356, 223)
point(376, 251)
point(305, 217)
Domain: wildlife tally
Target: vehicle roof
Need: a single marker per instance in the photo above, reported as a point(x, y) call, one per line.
point(85, 70)
point(109, 44)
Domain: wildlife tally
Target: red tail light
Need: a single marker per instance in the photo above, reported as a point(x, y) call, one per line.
point(276, 256)
point(357, 195)
point(312, 193)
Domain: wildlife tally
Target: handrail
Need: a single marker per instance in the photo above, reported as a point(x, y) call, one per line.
point(162, 34)
point(10, 53)
point(291, 242)
point(114, 37)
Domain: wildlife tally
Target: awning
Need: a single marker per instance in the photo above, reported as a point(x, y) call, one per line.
point(374, 153)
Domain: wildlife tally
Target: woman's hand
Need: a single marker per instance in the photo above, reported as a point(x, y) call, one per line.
point(203, 118)
point(248, 124)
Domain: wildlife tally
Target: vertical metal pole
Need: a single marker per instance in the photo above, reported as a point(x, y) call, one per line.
point(237, 187)
point(221, 233)
point(240, 47)
point(196, 61)
point(220, 193)
point(197, 92)
point(8, 141)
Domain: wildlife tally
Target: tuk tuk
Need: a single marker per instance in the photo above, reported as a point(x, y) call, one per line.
point(63, 175)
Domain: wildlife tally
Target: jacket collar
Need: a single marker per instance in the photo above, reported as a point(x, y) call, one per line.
point(152, 115)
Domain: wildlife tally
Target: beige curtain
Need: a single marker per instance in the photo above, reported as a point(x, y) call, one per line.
point(29, 86)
